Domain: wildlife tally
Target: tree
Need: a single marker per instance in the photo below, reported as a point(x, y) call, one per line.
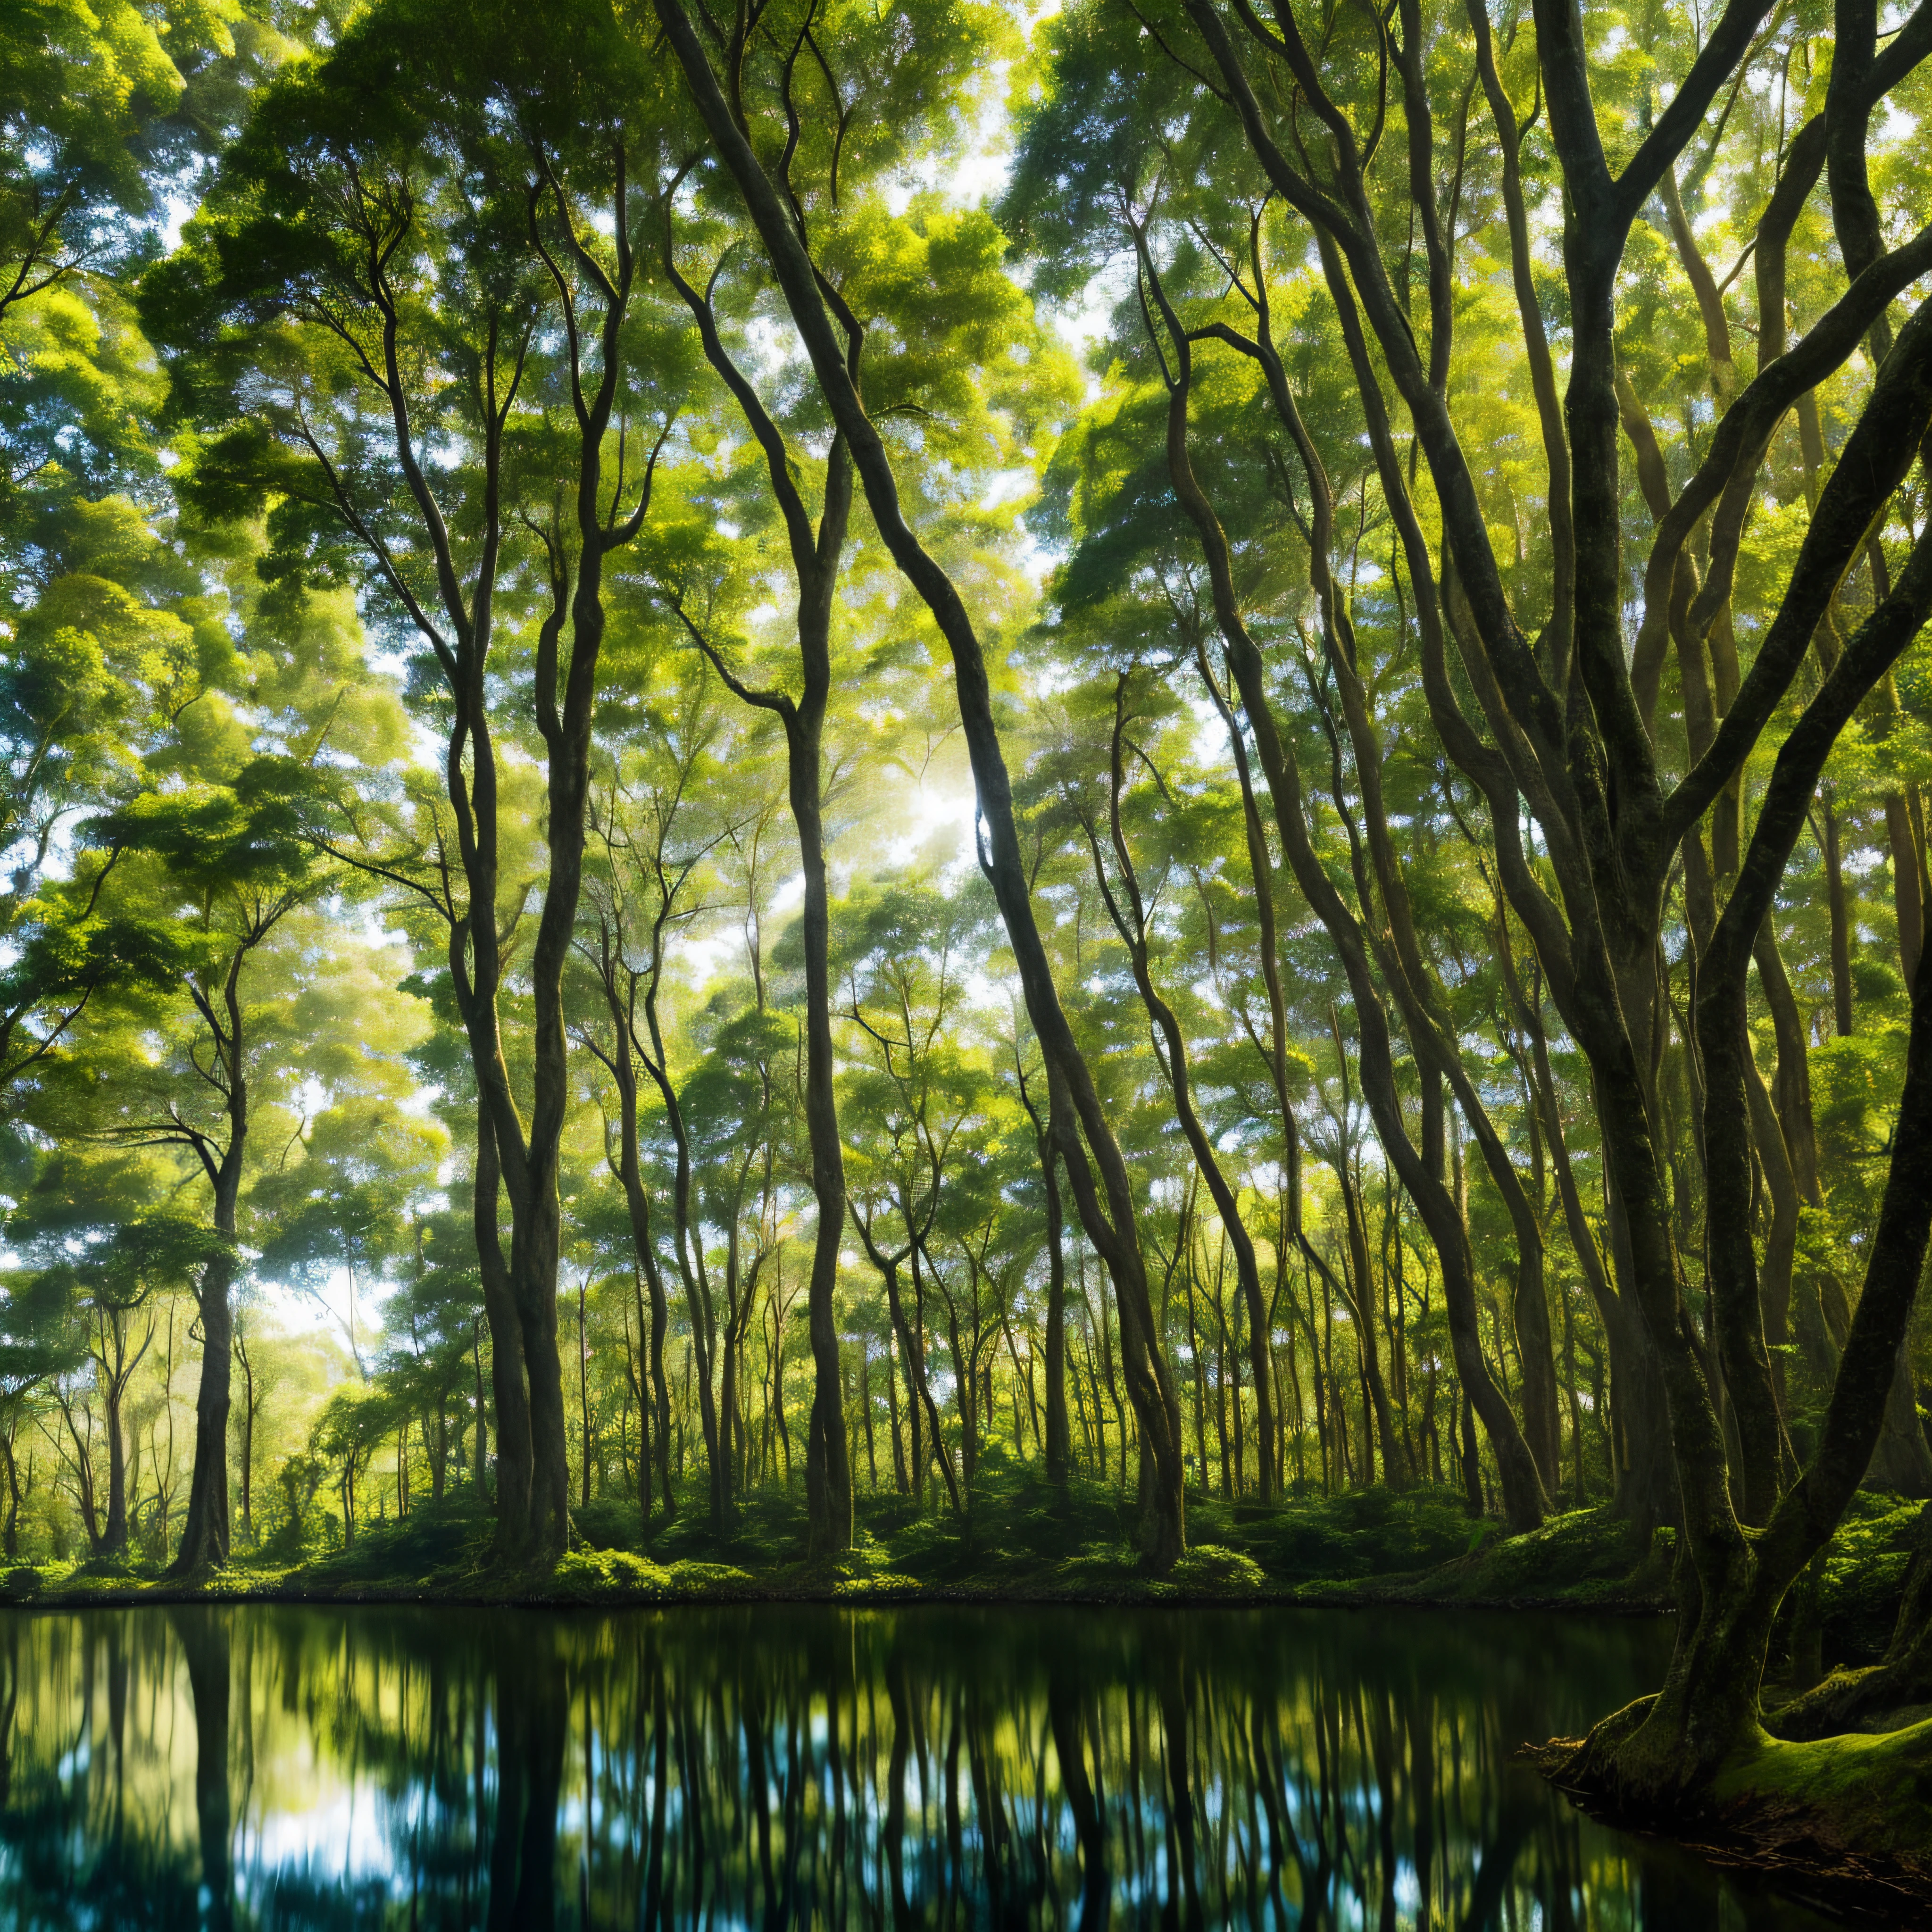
point(109, 629)
point(1566, 736)
point(94, 1228)
point(38, 1344)
point(233, 854)
point(366, 273)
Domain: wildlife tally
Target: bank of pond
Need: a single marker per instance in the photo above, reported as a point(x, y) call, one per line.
point(311, 1765)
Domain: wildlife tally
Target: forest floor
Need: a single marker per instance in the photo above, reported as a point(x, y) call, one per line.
point(1020, 1542)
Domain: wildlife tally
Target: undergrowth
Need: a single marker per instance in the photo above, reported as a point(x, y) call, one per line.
point(1018, 1538)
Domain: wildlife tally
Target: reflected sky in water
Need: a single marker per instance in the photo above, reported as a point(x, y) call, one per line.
point(278, 1766)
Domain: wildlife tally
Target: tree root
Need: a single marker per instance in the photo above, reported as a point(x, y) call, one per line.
point(1882, 1697)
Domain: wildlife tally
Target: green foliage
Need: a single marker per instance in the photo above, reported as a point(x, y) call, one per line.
point(1207, 1569)
point(614, 1576)
point(294, 1527)
point(436, 1545)
point(1864, 1575)
point(1371, 1532)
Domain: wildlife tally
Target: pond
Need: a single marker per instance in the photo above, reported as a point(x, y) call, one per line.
point(288, 1766)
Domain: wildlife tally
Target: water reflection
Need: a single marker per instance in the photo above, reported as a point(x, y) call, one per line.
point(297, 1767)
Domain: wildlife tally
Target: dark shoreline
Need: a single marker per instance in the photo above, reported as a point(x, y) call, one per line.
point(136, 1594)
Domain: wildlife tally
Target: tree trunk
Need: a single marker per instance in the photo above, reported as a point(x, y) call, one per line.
point(828, 1469)
point(247, 1442)
point(1908, 881)
point(1359, 1292)
point(1522, 1487)
point(816, 555)
point(509, 1389)
point(582, 1397)
point(637, 1205)
point(205, 1534)
point(928, 1440)
point(1838, 905)
point(114, 1528)
point(481, 1440)
point(1708, 1711)
point(1059, 1432)
point(1260, 874)
point(10, 1538)
point(534, 1255)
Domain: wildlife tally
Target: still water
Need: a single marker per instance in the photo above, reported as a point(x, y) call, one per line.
point(296, 1767)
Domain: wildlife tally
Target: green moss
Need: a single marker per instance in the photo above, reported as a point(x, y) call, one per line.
point(1874, 1793)
point(619, 1576)
point(252, 1582)
point(1108, 1567)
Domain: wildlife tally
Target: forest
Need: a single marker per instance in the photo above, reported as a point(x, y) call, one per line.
point(828, 787)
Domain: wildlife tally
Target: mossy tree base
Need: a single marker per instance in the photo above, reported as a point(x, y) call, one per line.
point(1842, 1822)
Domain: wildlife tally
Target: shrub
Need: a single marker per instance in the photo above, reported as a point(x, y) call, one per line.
point(1210, 1568)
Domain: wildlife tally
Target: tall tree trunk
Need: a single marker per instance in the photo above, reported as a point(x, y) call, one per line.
point(1261, 875)
point(928, 1439)
point(114, 1527)
point(1522, 1487)
point(536, 1525)
point(1357, 1286)
point(205, 1534)
point(10, 1536)
point(509, 1388)
point(656, 1390)
point(1838, 905)
point(691, 1268)
point(582, 1396)
point(1650, 1757)
point(828, 1469)
point(816, 555)
point(480, 1441)
point(1908, 881)
point(1059, 1432)
point(247, 1438)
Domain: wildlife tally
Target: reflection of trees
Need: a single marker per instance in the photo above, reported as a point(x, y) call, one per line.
point(204, 1635)
point(922, 1769)
point(88, 1835)
point(532, 1701)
